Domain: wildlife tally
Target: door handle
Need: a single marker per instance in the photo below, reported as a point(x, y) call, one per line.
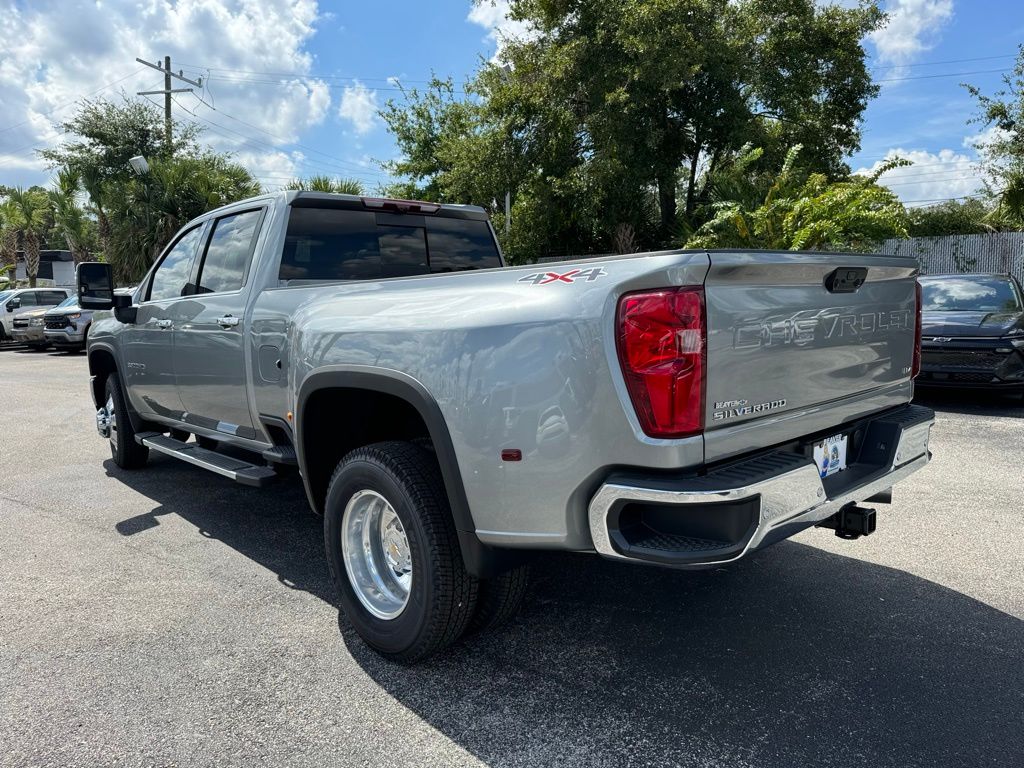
point(164, 323)
point(228, 321)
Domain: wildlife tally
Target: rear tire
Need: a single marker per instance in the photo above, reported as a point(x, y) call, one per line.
point(499, 599)
point(126, 453)
point(401, 483)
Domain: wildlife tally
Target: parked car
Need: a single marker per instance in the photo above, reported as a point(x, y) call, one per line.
point(972, 332)
point(17, 300)
point(67, 325)
point(450, 416)
point(27, 328)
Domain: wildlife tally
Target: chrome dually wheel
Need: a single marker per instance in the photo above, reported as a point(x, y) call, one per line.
point(393, 551)
point(376, 552)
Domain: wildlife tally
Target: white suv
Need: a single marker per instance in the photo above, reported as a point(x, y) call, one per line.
point(20, 299)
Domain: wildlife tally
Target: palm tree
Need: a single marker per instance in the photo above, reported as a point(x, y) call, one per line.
point(68, 215)
point(8, 239)
point(30, 215)
point(144, 212)
point(320, 183)
point(92, 182)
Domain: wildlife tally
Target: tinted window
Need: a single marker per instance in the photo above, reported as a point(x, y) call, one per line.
point(331, 244)
point(171, 276)
point(969, 293)
point(457, 244)
point(52, 297)
point(69, 301)
point(28, 298)
point(403, 250)
point(227, 255)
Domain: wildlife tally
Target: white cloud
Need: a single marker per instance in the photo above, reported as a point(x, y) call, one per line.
point(933, 176)
point(980, 141)
point(51, 57)
point(493, 16)
point(273, 169)
point(359, 106)
point(914, 27)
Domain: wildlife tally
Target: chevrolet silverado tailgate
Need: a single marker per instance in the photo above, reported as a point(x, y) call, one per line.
point(798, 342)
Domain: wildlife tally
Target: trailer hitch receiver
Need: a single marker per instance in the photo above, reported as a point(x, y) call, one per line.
point(851, 522)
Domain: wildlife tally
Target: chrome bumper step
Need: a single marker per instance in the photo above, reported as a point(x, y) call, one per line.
point(227, 466)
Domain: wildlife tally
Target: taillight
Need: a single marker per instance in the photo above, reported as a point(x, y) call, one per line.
point(661, 344)
point(915, 366)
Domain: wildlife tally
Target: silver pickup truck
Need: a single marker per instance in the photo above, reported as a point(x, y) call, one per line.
point(451, 416)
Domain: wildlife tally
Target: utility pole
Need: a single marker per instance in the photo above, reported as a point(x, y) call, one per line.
point(167, 91)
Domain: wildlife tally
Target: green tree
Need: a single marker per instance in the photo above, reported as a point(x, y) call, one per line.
point(137, 215)
point(146, 211)
point(321, 183)
point(8, 236)
point(808, 212)
point(953, 217)
point(602, 120)
point(30, 211)
point(105, 136)
point(1003, 154)
point(70, 219)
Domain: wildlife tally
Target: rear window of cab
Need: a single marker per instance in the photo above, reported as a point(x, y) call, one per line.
point(335, 244)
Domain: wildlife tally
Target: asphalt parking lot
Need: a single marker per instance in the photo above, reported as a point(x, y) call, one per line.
point(168, 617)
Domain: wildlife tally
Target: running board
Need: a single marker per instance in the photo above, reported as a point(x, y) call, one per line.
point(227, 466)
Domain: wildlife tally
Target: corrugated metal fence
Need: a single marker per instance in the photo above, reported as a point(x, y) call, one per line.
point(999, 252)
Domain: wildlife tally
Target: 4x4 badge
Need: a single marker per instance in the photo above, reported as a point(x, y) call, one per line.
point(545, 278)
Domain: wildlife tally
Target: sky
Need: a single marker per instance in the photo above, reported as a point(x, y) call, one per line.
point(292, 87)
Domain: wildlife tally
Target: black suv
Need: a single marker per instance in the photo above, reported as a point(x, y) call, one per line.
point(972, 332)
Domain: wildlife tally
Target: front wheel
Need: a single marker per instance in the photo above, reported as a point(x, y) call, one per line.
point(393, 552)
point(126, 453)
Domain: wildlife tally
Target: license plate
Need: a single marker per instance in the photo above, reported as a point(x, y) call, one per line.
point(830, 455)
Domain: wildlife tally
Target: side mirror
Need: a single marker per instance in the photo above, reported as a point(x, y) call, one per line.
point(95, 285)
point(13, 304)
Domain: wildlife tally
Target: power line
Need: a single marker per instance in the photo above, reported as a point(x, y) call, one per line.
point(947, 61)
point(303, 75)
point(364, 173)
point(279, 83)
point(944, 74)
point(975, 196)
point(933, 181)
point(975, 171)
point(282, 139)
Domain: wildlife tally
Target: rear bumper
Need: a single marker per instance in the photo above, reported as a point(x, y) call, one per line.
point(736, 509)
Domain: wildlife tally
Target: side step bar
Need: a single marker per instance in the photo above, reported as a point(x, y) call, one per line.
point(227, 466)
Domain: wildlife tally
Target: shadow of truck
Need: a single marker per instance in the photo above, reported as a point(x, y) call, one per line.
point(795, 657)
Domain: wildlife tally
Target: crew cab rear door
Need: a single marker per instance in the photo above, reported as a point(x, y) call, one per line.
point(798, 341)
point(209, 334)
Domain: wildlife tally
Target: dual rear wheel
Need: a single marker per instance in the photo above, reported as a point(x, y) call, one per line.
point(395, 560)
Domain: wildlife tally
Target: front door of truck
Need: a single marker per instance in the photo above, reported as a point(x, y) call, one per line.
point(147, 344)
point(209, 340)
